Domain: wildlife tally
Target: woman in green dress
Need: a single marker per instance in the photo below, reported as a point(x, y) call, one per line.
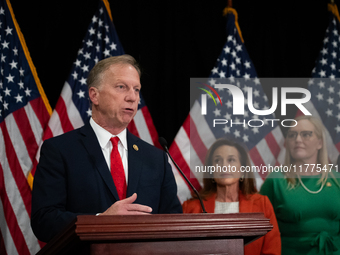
point(305, 194)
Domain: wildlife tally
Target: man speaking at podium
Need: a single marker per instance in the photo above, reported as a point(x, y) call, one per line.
point(101, 168)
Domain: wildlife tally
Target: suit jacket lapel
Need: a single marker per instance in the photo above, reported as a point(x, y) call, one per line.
point(135, 163)
point(96, 155)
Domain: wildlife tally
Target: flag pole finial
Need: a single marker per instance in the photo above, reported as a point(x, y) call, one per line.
point(230, 3)
point(229, 9)
point(332, 7)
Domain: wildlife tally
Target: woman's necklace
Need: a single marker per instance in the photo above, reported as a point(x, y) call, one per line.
point(310, 191)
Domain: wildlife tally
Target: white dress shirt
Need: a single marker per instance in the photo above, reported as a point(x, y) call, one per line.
point(104, 137)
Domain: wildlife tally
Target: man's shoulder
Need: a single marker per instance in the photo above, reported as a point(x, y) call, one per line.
point(68, 137)
point(132, 139)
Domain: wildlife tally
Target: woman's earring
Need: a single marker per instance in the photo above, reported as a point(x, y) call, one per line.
point(242, 178)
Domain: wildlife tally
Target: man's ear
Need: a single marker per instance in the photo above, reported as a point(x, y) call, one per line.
point(93, 95)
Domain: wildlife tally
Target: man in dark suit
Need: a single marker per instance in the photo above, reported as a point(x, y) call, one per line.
point(76, 173)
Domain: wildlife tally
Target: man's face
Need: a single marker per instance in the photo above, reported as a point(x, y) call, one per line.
point(115, 101)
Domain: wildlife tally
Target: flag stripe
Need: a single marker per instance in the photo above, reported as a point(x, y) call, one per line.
point(204, 130)
point(40, 113)
point(141, 127)
point(26, 133)
point(280, 140)
point(185, 169)
point(34, 123)
point(256, 158)
point(273, 145)
point(47, 134)
point(151, 127)
point(22, 155)
point(8, 245)
point(62, 113)
point(19, 197)
point(178, 146)
point(11, 221)
point(9, 226)
point(132, 128)
point(184, 154)
point(16, 169)
point(73, 114)
point(54, 126)
point(195, 162)
point(195, 139)
point(265, 153)
point(183, 190)
point(7, 182)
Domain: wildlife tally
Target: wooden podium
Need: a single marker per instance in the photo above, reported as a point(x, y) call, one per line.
point(160, 234)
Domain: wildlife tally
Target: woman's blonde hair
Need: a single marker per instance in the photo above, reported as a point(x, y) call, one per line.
point(322, 157)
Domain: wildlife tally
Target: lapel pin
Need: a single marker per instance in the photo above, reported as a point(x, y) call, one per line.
point(328, 184)
point(135, 147)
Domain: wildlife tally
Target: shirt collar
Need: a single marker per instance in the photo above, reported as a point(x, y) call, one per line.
point(104, 136)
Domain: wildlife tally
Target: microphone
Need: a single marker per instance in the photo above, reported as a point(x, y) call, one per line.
point(164, 144)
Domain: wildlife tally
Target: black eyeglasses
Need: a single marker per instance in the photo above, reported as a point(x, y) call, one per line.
point(305, 135)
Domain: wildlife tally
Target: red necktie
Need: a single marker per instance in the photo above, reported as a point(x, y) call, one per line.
point(117, 169)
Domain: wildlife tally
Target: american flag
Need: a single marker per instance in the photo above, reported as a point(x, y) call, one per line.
point(73, 108)
point(197, 133)
point(24, 113)
point(324, 85)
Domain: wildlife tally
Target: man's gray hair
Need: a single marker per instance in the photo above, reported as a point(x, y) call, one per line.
point(96, 74)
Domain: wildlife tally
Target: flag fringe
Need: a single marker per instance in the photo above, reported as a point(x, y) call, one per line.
point(30, 179)
point(232, 10)
point(334, 9)
point(107, 5)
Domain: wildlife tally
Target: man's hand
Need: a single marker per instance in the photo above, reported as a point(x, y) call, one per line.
point(126, 207)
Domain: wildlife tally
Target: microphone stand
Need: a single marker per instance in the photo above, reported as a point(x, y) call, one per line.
point(163, 142)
